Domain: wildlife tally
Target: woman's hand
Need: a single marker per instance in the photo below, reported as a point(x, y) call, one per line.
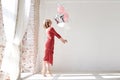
point(63, 40)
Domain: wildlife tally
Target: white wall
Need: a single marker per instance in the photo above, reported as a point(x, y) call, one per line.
point(93, 37)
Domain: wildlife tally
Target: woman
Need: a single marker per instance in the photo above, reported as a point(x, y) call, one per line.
point(49, 46)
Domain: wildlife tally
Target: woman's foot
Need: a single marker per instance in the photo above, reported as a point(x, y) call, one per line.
point(43, 73)
point(49, 72)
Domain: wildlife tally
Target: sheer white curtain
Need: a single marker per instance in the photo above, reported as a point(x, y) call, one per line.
point(15, 20)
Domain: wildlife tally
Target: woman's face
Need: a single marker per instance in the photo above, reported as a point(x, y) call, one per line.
point(50, 23)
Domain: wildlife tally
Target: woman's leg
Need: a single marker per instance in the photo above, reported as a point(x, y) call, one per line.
point(44, 68)
point(49, 69)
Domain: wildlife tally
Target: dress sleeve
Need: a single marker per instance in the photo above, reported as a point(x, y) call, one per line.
point(55, 33)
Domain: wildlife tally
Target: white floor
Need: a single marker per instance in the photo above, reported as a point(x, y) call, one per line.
point(80, 76)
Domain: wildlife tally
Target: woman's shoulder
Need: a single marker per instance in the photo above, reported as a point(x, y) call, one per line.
point(51, 28)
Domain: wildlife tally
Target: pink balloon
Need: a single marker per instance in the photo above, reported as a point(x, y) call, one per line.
point(66, 16)
point(60, 9)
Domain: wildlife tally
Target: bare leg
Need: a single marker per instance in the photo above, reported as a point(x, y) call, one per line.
point(44, 68)
point(49, 69)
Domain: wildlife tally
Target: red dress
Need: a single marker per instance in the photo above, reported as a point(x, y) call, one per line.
point(49, 44)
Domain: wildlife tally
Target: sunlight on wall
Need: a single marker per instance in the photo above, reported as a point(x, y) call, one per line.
point(27, 8)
